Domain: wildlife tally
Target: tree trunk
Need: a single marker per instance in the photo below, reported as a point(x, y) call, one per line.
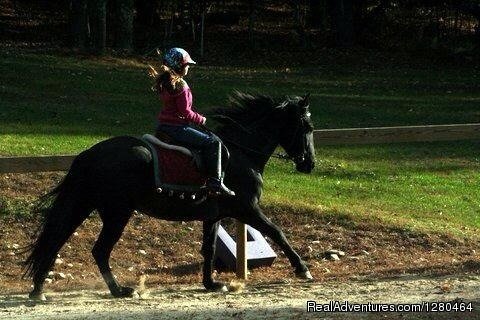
point(341, 16)
point(474, 10)
point(202, 33)
point(124, 24)
point(78, 23)
point(251, 22)
point(347, 37)
point(300, 24)
point(193, 15)
point(97, 13)
point(317, 16)
point(146, 22)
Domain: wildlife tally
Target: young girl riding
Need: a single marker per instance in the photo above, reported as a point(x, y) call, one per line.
point(177, 117)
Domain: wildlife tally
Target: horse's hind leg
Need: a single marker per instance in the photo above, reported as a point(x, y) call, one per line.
point(113, 226)
point(49, 244)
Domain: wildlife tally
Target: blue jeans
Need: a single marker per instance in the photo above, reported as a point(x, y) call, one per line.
point(187, 135)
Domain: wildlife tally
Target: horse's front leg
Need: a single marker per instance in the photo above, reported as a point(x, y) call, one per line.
point(259, 221)
point(210, 230)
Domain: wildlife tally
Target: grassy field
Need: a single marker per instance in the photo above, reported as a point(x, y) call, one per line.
point(59, 105)
point(429, 186)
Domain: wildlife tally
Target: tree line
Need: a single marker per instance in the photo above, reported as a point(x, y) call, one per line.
point(130, 23)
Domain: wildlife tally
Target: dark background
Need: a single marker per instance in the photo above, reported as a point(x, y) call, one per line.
point(255, 32)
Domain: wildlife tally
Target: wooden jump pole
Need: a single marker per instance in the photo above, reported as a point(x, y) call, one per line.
point(241, 250)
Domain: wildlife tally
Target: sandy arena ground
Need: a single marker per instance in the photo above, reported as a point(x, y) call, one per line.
point(382, 264)
point(273, 301)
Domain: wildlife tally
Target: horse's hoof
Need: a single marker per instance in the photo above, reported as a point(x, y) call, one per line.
point(126, 292)
point(217, 286)
point(305, 275)
point(37, 296)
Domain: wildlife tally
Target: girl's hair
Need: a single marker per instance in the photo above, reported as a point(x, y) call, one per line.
point(165, 79)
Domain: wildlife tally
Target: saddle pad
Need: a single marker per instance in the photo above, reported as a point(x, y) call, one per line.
point(176, 168)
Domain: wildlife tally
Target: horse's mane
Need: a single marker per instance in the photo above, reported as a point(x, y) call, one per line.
point(246, 110)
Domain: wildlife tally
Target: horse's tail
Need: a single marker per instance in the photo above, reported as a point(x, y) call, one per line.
point(63, 209)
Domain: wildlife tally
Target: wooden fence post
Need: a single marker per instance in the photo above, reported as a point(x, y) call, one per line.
point(241, 250)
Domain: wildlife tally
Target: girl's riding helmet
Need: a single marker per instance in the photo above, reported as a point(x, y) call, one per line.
point(176, 58)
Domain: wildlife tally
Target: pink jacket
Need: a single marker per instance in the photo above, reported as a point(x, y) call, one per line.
point(177, 108)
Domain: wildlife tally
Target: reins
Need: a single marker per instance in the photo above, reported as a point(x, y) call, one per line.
point(282, 156)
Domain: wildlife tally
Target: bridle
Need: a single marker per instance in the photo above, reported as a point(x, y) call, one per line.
point(300, 124)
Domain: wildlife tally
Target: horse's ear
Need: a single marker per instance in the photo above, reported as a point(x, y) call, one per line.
point(283, 104)
point(152, 72)
point(305, 101)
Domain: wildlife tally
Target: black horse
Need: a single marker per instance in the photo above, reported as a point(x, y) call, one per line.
point(115, 177)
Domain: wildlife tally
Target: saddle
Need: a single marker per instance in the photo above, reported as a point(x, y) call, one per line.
point(178, 170)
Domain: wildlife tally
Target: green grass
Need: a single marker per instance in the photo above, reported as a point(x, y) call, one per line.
point(422, 186)
point(60, 105)
point(51, 104)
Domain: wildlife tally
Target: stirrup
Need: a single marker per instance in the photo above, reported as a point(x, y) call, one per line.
point(216, 186)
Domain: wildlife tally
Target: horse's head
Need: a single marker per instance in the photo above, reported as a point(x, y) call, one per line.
point(296, 137)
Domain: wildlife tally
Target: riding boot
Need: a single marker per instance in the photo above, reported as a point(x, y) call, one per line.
point(214, 170)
